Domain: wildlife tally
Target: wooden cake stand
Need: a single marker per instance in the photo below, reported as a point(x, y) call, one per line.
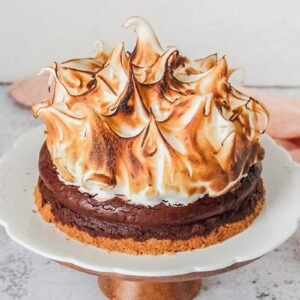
point(127, 287)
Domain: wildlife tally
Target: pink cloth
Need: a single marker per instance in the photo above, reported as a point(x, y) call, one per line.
point(31, 90)
point(284, 125)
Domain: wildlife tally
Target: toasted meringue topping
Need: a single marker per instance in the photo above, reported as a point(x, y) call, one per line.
point(149, 126)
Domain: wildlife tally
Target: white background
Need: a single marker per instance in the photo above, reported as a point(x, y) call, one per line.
point(261, 36)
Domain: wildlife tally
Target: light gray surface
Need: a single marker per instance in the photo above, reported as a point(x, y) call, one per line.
point(25, 275)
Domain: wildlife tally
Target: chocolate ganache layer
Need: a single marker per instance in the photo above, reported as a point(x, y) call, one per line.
point(117, 218)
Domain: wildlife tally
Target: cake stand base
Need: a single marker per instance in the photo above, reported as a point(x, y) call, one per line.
point(128, 287)
point(118, 289)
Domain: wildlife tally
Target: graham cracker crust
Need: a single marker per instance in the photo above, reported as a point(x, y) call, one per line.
point(151, 246)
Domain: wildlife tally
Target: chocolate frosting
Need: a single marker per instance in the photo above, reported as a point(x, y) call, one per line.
point(118, 219)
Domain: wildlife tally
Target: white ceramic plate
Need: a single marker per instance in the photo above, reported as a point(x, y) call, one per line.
point(277, 222)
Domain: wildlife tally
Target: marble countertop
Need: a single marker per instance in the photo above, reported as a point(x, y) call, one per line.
point(27, 276)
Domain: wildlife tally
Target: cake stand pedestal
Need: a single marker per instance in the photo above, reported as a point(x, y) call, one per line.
point(125, 287)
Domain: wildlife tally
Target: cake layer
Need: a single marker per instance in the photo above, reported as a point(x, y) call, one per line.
point(151, 246)
point(117, 218)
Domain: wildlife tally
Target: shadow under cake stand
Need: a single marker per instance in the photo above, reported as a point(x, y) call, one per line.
point(177, 287)
point(132, 277)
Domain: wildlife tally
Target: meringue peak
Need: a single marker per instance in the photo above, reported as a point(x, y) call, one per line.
point(151, 125)
point(148, 48)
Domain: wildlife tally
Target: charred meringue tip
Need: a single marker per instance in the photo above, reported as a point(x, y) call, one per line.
point(138, 23)
point(144, 32)
point(101, 47)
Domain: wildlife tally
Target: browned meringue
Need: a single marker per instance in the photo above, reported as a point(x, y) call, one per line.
point(149, 126)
